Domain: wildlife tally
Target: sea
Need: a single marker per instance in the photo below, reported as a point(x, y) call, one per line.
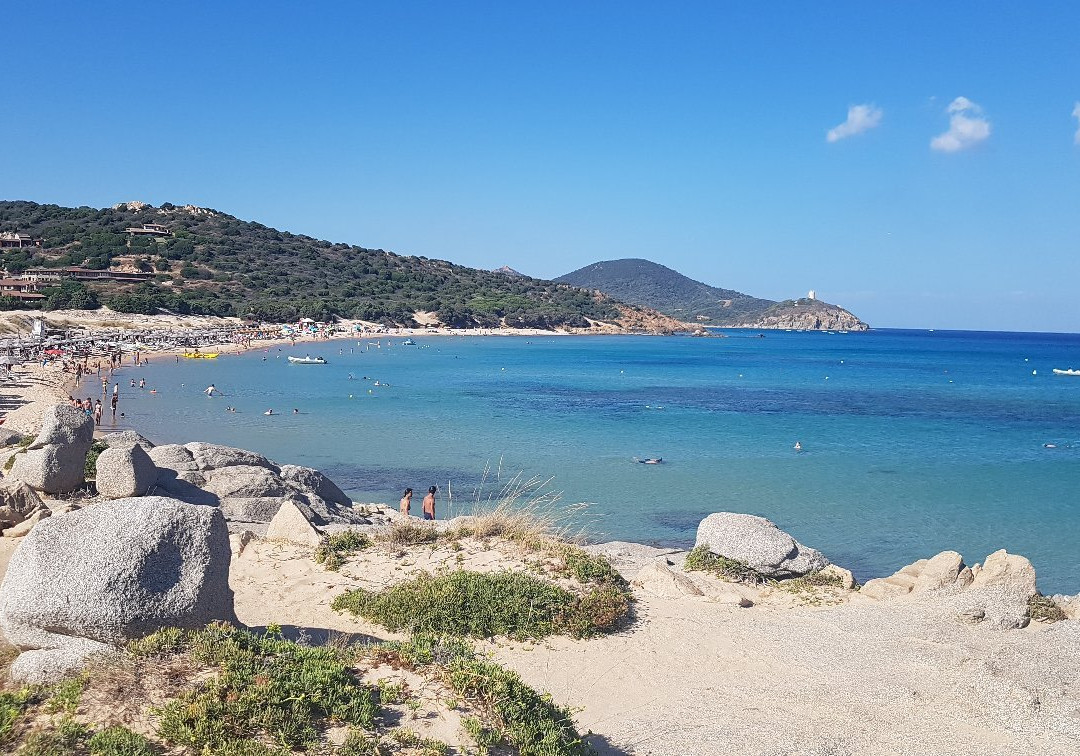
point(912, 442)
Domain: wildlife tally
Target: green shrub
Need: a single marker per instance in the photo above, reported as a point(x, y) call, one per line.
point(587, 568)
point(91, 458)
point(65, 695)
point(12, 706)
point(119, 741)
point(66, 737)
point(703, 560)
point(333, 550)
point(473, 604)
point(514, 712)
point(264, 687)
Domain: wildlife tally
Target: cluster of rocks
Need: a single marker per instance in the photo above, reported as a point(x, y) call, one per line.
point(154, 550)
point(997, 592)
point(248, 488)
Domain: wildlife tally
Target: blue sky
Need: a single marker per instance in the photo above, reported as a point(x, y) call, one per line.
point(548, 136)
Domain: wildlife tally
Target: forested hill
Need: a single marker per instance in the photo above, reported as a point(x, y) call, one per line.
point(649, 284)
point(214, 263)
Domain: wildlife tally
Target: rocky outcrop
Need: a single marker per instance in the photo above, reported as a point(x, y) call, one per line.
point(124, 471)
point(806, 315)
point(759, 544)
point(944, 570)
point(55, 461)
point(248, 487)
point(127, 438)
point(113, 572)
point(996, 592)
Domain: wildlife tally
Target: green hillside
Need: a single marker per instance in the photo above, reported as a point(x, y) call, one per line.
point(214, 263)
point(652, 285)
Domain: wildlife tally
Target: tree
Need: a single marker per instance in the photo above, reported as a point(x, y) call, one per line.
point(70, 295)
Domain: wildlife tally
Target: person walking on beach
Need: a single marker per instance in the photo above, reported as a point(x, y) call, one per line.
point(115, 400)
point(97, 413)
point(429, 504)
point(406, 502)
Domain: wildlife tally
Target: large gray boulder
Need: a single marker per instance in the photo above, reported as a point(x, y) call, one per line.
point(9, 437)
point(116, 571)
point(64, 424)
point(55, 469)
point(214, 457)
point(246, 481)
point(312, 480)
point(55, 461)
point(173, 457)
point(124, 471)
point(127, 438)
point(759, 544)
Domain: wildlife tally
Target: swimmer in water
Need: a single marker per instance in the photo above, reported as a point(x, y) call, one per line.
point(798, 446)
point(269, 412)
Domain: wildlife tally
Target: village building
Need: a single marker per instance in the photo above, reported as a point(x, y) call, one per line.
point(15, 240)
point(85, 274)
point(149, 229)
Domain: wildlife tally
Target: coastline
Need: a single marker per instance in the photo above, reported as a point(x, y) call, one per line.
point(836, 672)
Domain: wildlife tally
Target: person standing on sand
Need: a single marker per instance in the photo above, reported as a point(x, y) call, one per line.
point(406, 502)
point(97, 413)
point(429, 504)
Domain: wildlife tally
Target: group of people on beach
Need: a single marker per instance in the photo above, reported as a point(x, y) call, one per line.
point(427, 507)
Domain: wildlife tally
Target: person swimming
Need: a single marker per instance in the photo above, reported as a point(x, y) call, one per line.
point(798, 446)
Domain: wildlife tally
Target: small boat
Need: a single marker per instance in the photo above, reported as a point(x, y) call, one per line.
point(1070, 371)
point(650, 461)
point(408, 342)
point(308, 360)
point(200, 355)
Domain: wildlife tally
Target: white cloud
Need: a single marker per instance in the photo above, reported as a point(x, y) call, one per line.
point(967, 127)
point(1076, 115)
point(860, 118)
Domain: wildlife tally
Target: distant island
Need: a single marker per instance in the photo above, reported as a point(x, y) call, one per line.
point(652, 285)
point(137, 258)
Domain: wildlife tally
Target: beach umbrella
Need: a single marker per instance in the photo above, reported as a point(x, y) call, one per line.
point(54, 352)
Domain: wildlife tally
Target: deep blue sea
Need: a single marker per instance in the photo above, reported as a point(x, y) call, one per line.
point(913, 441)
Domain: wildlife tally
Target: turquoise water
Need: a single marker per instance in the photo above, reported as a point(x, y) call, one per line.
point(914, 442)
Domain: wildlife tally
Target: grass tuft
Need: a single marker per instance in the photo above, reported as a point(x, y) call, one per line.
point(409, 533)
point(96, 449)
point(333, 550)
point(703, 560)
point(119, 741)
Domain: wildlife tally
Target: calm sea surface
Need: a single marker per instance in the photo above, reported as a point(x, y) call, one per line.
point(913, 441)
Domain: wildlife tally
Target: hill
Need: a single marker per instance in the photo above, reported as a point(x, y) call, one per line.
point(203, 261)
point(652, 285)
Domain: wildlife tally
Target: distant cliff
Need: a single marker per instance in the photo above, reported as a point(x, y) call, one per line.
point(649, 284)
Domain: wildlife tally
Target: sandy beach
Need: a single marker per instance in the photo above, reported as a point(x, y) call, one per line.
point(830, 672)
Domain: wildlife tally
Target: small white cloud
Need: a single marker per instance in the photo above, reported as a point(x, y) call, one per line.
point(1076, 115)
point(967, 127)
point(860, 118)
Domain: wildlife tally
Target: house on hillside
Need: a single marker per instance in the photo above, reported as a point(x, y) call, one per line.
point(85, 274)
point(149, 229)
point(15, 240)
point(20, 288)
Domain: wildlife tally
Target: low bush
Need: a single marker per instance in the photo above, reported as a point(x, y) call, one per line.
point(91, 458)
point(333, 550)
point(514, 713)
point(701, 559)
point(408, 533)
point(119, 741)
point(471, 604)
point(264, 687)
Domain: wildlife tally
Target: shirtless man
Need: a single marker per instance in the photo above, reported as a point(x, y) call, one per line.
point(429, 504)
point(406, 502)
